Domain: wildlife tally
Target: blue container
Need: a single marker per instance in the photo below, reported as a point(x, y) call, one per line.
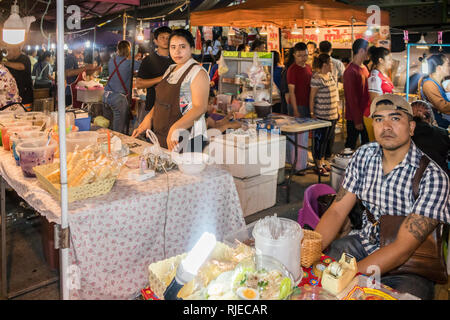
point(83, 124)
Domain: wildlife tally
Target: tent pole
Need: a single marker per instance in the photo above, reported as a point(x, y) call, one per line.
point(93, 45)
point(133, 54)
point(353, 37)
point(64, 252)
point(408, 60)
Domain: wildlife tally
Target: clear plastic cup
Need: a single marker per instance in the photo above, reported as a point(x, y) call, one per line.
point(15, 131)
point(25, 136)
point(35, 153)
point(9, 126)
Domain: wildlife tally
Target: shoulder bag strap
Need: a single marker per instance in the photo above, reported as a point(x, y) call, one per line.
point(424, 161)
point(119, 75)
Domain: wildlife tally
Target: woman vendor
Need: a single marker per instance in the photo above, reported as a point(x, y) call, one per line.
point(181, 99)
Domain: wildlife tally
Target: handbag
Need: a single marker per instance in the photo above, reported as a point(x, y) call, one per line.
point(428, 260)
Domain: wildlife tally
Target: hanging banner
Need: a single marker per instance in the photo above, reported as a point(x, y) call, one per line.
point(340, 38)
point(132, 2)
point(273, 39)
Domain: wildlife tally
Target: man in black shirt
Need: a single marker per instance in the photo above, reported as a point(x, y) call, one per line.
point(154, 66)
point(20, 67)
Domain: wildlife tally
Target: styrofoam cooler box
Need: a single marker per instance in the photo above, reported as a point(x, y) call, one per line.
point(246, 157)
point(302, 154)
point(257, 193)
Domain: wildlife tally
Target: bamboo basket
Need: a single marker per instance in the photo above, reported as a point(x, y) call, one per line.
point(311, 248)
point(90, 190)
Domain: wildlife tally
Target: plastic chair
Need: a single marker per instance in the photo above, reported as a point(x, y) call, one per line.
point(309, 214)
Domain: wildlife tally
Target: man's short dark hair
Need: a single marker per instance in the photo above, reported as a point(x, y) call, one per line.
point(160, 30)
point(300, 46)
point(359, 44)
point(325, 46)
point(313, 43)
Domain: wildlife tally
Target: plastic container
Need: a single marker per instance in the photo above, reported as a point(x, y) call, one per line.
point(27, 115)
point(9, 126)
point(34, 154)
point(41, 120)
point(286, 248)
point(84, 124)
point(26, 136)
point(14, 131)
point(190, 163)
point(80, 139)
point(223, 100)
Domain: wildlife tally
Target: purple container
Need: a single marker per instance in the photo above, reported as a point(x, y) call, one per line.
point(33, 154)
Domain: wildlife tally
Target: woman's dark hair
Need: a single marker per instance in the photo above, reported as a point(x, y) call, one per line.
point(241, 47)
point(208, 43)
point(434, 61)
point(44, 55)
point(290, 58)
point(255, 44)
point(276, 58)
point(377, 53)
point(184, 34)
point(163, 29)
point(320, 60)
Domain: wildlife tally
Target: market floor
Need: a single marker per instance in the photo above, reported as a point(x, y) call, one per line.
point(27, 265)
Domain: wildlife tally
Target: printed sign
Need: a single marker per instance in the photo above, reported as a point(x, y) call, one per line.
point(273, 39)
point(340, 38)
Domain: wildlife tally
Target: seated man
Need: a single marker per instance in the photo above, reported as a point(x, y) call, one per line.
point(380, 174)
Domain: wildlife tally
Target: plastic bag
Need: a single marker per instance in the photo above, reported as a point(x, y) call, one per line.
point(223, 68)
point(256, 72)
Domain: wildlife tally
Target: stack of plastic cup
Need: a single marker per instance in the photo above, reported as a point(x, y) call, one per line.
point(8, 126)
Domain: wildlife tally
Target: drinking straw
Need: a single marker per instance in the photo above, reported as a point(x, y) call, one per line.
point(109, 142)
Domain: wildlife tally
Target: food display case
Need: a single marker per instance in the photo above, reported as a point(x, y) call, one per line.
point(236, 81)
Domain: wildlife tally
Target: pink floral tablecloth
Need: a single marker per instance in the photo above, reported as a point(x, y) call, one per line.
point(115, 237)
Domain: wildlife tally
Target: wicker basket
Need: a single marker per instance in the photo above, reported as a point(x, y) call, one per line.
point(74, 193)
point(311, 248)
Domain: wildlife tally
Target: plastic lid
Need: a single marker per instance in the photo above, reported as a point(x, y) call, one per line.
point(249, 100)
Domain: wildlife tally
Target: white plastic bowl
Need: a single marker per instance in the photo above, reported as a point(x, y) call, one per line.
point(190, 163)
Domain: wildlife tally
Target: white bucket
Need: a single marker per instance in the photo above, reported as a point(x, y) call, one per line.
point(287, 250)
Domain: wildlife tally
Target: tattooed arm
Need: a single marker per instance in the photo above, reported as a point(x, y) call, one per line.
point(412, 233)
point(333, 219)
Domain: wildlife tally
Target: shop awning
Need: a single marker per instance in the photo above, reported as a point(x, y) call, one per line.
point(286, 13)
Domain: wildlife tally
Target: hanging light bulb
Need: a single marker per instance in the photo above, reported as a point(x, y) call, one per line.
point(296, 30)
point(369, 32)
point(263, 31)
point(14, 28)
point(140, 37)
point(317, 28)
point(88, 44)
point(422, 41)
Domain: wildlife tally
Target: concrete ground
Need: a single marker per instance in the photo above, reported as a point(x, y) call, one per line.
point(27, 265)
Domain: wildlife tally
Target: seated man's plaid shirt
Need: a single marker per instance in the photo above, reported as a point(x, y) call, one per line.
point(391, 194)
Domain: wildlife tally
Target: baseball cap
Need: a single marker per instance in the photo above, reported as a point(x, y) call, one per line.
point(390, 102)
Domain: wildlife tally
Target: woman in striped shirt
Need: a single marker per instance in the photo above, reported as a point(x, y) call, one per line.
point(323, 104)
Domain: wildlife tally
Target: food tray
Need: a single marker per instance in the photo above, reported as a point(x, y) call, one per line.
point(74, 193)
point(162, 272)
